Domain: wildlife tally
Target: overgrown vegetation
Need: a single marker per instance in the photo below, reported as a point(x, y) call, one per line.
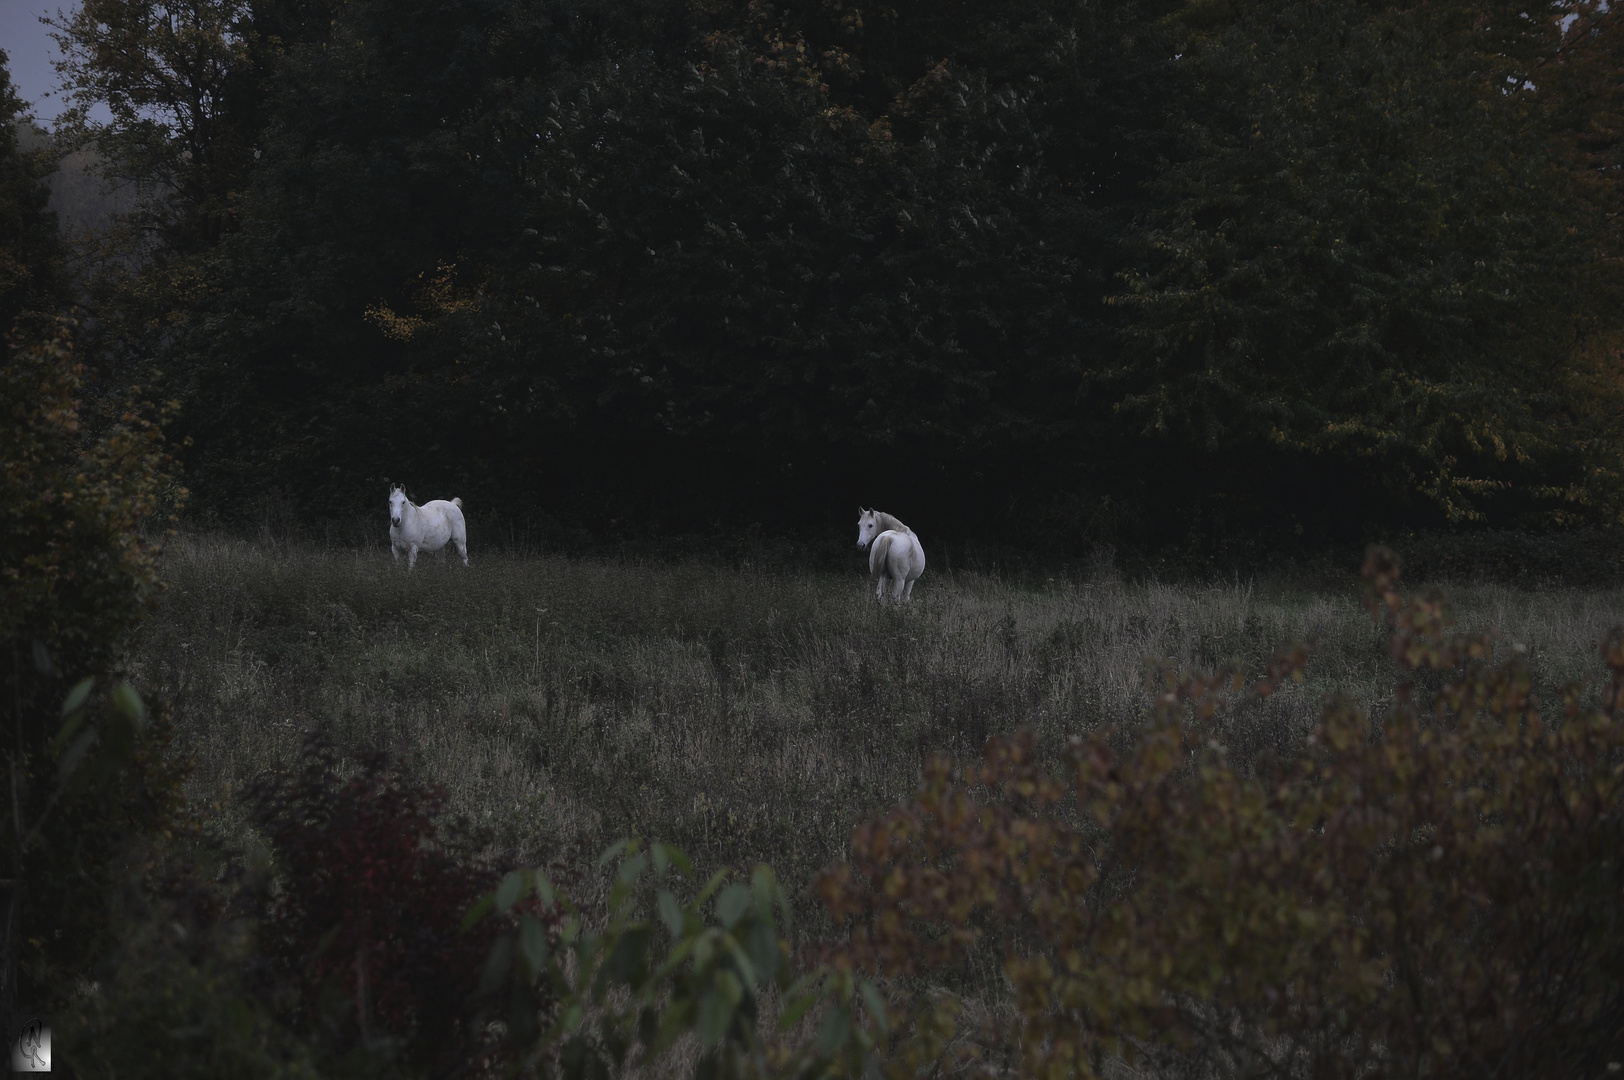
point(747, 713)
point(1426, 892)
point(1199, 855)
point(1433, 894)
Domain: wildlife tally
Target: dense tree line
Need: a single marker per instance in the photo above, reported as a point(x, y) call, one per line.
point(1133, 269)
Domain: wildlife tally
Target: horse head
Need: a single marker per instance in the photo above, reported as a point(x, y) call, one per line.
point(397, 504)
point(868, 526)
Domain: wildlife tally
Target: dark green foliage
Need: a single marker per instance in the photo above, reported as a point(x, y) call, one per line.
point(174, 992)
point(344, 954)
point(85, 766)
point(1360, 277)
point(656, 282)
point(31, 277)
point(86, 763)
point(657, 975)
point(1168, 274)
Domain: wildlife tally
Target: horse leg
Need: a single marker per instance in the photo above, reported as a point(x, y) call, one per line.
point(908, 593)
point(411, 558)
point(895, 573)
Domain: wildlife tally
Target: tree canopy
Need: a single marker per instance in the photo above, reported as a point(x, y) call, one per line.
point(1117, 269)
point(31, 277)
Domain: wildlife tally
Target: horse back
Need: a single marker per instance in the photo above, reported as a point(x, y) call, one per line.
point(906, 555)
point(897, 554)
point(451, 513)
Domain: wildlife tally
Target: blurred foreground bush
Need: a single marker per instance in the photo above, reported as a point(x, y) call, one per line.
point(1435, 893)
point(342, 954)
point(86, 764)
point(362, 929)
point(172, 989)
point(669, 985)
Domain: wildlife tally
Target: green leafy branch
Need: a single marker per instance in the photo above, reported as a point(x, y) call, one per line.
point(657, 971)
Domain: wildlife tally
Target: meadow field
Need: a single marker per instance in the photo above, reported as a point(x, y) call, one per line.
point(746, 711)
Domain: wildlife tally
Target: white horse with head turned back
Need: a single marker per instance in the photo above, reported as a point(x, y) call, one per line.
point(428, 527)
point(895, 554)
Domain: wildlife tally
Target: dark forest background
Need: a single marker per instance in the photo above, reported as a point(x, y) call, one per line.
point(1144, 272)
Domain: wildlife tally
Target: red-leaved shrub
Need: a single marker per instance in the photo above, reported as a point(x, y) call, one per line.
point(366, 918)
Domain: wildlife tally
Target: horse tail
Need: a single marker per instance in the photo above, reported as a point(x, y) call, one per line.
point(457, 503)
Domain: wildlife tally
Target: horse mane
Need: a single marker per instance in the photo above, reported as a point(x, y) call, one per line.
point(888, 522)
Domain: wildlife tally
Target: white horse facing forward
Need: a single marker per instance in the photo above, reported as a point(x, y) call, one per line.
point(428, 527)
point(896, 554)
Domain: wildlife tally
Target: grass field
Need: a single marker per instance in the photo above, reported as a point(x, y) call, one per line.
point(745, 712)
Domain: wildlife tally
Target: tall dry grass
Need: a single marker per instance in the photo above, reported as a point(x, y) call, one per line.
point(745, 712)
